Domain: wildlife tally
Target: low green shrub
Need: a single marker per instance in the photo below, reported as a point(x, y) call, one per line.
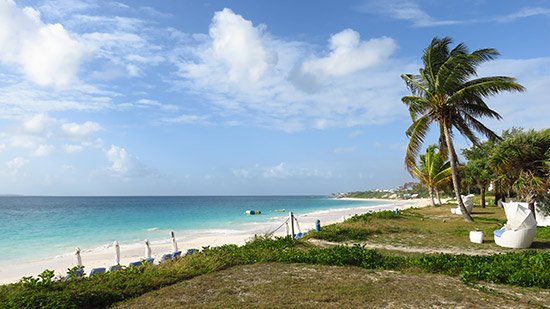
point(384, 214)
point(339, 233)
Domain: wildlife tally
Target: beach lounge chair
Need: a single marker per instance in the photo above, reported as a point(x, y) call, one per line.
point(520, 229)
point(138, 263)
point(115, 267)
point(97, 270)
point(78, 274)
point(149, 260)
point(166, 257)
point(468, 201)
point(176, 254)
point(191, 251)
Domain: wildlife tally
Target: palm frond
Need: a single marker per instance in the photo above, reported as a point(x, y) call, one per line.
point(417, 133)
point(485, 87)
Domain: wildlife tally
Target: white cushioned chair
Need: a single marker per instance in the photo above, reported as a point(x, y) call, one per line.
point(520, 229)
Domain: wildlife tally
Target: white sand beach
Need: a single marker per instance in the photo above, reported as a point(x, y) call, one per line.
point(104, 257)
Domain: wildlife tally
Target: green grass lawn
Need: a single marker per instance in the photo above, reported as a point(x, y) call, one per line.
point(277, 285)
point(429, 227)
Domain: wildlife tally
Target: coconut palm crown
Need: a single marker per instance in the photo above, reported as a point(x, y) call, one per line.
point(447, 92)
point(433, 171)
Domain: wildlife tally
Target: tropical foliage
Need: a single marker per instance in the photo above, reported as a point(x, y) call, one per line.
point(522, 160)
point(477, 170)
point(433, 171)
point(447, 92)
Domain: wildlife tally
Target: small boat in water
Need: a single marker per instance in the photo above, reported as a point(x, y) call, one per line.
point(253, 212)
point(280, 210)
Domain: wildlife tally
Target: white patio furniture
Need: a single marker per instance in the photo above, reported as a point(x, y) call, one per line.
point(468, 201)
point(520, 229)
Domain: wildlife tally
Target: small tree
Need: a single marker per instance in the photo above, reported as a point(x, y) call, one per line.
point(524, 157)
point(477, 170)
point(433, 171)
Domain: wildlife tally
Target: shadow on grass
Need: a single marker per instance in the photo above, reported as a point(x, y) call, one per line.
point(540, 245)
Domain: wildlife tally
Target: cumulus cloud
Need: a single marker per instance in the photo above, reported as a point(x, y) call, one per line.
point(349, 54)
point(263, 80)
point(80, 130)
point(125, 165)
point(46, 53)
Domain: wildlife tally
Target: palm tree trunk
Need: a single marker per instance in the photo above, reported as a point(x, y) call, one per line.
point(454, 172)
point(431, 191)
point(437, 195)
point(482, 193)
point(531, 204)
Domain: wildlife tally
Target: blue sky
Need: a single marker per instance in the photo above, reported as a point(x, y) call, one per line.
point(236, 97)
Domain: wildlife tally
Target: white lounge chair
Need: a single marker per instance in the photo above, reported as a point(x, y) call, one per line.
point(520, 229)
point(468, 201)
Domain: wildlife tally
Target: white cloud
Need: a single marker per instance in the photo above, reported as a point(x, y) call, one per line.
point(148, 103)
point(62, 8)
point(43, 150)
point(279, 171)
point(260, 81)
point(238, 45)
point(80, 130)
point(16, 164)
point(524, 13)
point(187, 119)
point(125, 165)
point(46, 53)
point(529, 109)
point(72, 148)
point(404, 10)
point(38, 124)
point(24, 141)
point(348, 54)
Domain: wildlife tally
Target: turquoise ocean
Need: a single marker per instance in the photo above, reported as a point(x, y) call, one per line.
point(39, 227)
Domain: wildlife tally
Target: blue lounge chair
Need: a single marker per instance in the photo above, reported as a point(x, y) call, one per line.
point(97, 270)
point(176, 254)
point(191, 251)
point(149, 260)
point(138, 263)
point(166, 257)
point(78, 274)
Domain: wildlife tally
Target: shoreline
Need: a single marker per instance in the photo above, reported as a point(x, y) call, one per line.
point(104, 256)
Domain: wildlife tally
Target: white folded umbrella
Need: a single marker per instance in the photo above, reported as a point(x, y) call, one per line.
point(174, 243)
point(117, 252)
point(78, 257)
point(147, 249)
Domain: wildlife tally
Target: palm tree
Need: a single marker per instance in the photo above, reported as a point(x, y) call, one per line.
point(433, 171)
point(447, 92)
